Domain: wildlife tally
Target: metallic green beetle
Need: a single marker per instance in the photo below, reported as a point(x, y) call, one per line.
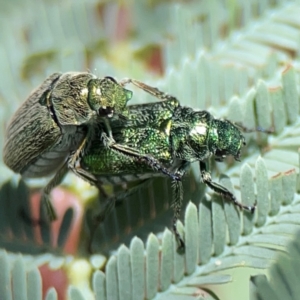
point(162, 135)
point(55, 123)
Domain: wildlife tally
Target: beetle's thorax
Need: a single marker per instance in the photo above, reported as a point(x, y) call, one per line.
point(67, 99)
point(191, 135)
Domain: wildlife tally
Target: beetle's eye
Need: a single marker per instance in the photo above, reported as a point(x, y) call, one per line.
point(111, 78)
point(221, 153)
point(106, 112)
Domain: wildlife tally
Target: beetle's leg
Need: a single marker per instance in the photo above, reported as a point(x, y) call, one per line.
point(74, 160)
point(149, 89)
point(162, 110)
point(125, 81)
point(177, 186)
point(58, 177)
point(133, 153)
point(113, 200)
point(74, 164)
point(86, 176)
point(176, 204)
point(75, 167)
point(110, 203)
point(168, 104)
point(206, 177)
point(108, 128)
point(249, 130)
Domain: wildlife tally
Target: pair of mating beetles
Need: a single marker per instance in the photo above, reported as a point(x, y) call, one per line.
point(80, 122)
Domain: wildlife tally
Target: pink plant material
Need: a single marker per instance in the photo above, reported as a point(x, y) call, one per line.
point(54, 278)
point(62, 200)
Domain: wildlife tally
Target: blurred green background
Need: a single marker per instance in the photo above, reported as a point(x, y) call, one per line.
point(224, 56)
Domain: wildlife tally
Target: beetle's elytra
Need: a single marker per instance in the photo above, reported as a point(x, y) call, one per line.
point(52, 126)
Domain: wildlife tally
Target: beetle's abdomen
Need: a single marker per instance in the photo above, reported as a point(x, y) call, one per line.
point(49, 161)
point(46, 164)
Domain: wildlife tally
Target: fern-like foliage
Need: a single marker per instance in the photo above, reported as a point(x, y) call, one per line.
point(239, 59)
point(283, 275)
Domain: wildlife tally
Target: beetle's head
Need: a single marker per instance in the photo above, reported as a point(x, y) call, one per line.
point(227, 139)
point(107, 97)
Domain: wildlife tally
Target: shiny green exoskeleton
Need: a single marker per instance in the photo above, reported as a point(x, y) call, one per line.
point(159, 136)
point(51, 128)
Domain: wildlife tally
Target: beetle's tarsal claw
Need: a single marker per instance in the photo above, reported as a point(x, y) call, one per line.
point(51, 214)
point(181, 246)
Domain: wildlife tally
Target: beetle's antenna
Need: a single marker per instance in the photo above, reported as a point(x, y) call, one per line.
point(257, 129)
